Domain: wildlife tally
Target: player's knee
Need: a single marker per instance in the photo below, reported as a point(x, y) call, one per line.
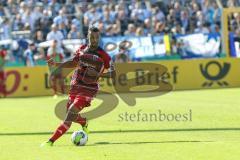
point(72, 114)
point(67, 123)
point(73, 108)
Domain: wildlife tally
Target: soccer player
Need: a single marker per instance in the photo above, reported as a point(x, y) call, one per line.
point(56, 54)
point(90, 62)
point(3, 54)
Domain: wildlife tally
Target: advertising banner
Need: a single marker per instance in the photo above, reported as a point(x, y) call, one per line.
point(180, 74)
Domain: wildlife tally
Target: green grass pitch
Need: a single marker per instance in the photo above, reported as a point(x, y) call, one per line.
point(213, 133)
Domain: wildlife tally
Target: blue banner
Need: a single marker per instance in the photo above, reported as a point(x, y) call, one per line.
point(187, 46)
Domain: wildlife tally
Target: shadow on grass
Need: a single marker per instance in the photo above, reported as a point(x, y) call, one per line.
point(119, 143)
point(134, 143)
point(130, 131)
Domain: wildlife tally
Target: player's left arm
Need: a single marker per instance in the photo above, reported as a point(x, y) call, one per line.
point(111, 72)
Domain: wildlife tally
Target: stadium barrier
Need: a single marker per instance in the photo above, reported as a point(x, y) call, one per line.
point(181, 74)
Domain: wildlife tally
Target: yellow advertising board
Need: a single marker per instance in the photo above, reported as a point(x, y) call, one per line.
point(181, 75)
point(205, 73)
point(27, 81)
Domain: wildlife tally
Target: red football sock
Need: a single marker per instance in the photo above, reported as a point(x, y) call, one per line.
point(60, 131)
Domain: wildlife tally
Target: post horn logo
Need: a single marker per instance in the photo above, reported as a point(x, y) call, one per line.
point(222, 72)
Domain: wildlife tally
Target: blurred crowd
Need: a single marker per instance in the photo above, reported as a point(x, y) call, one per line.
point(31, 22)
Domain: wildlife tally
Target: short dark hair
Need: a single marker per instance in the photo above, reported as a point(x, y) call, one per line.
point(31, 44)
point(93, 29)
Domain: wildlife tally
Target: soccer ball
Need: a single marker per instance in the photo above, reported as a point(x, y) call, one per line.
point(79, 138)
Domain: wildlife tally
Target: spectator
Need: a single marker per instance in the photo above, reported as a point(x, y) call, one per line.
point(201, 28)
point(36, 15)
point(184, 20)
point(29, 55)
point(70, 7)
point(106, 18)
point(216, 13)
point(146, 12)
point(131, 30)
point(116, 29)
point(44, 22)
point(27, 19)
point(55, 34)
point(181, 48)
point(79, 13)
point(55, 7)
point(63, 29)
point(108, 31)
point(135, 20)
point(194, 9)
point(200, 17)
point(158, 14)
point(232, 3)
point(76, 21)
point(73, 33)
point(121, 17)
point(23, 8)
point(139, 31)
point(101, 27)
point(17, 24)
point(61, 18)
point(91, 16)
point(159, 27)
point(3, 11)
point(5, 30)
point(137, 12)
point(20, 47)
point(12, 8)
point(215, 29)
point(192, 26)
point(147, 27)
point(177, 30)
point(38, 37)
point(113, 11)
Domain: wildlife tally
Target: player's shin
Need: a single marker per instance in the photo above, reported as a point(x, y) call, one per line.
point(62, 128)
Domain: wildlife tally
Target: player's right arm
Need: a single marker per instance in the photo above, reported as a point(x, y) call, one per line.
point(72, 63)
point(56, 67)
point(67, 64)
